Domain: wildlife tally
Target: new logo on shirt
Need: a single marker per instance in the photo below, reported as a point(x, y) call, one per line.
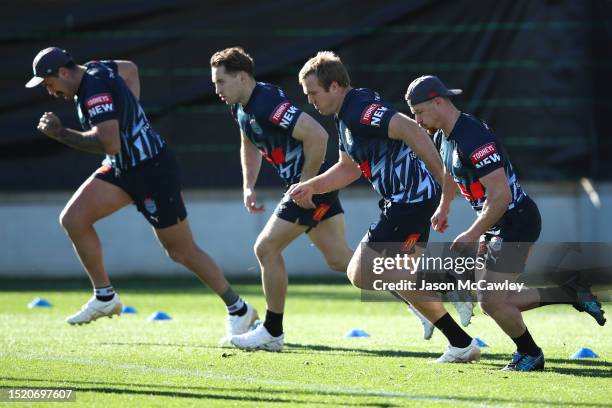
point(283, 114)
point(484, 155)
point(372, 115)
point(100, 103)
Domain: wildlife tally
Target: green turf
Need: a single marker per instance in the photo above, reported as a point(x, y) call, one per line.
point(131, 362)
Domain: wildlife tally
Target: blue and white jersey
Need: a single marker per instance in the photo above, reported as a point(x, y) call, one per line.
point(267, 120)
point(472, 151)
point(103, 96)
point(394, 170)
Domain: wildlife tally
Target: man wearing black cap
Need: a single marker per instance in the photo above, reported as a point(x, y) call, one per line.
point(139, 168)
point(508, 219)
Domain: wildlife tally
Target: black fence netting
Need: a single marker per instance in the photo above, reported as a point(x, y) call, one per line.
point(535, 71)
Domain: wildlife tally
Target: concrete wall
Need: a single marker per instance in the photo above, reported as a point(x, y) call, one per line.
point(32, 243)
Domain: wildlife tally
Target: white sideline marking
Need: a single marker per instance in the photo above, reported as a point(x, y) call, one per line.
point(200, 374)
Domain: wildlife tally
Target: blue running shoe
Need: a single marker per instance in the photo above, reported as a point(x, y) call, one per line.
point(586, 300)
point(525, 362)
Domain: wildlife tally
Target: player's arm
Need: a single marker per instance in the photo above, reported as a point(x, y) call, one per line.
point(250, 160)
point(340, 175)
point(496, 203)
point(314, 141)
point(129, 72)
point(439, 221)
point(103, 138)
point(401, 127)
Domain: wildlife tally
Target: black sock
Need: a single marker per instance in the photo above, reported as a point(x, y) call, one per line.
point(456, 336)
point(274, 323)
point(104, 294)
point(242, 311)
point(525, 344)
point(556, 296)
point(235, 305)
point(238, 308)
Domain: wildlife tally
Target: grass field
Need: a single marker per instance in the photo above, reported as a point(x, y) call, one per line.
point(131, 362)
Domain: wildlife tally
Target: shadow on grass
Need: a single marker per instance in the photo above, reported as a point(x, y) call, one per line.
point(592, 368)
point(294, 348)
point(225, 393)
point(254, 388)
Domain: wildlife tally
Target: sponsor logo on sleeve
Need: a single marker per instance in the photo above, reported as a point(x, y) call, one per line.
point(372, 114)
point(283, 115)
point(485, 155)
point(100, 103)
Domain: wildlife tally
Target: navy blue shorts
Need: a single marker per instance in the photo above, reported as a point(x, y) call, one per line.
point(328, 205)
point(506, 245)
point(403, 222)
point(155, 187)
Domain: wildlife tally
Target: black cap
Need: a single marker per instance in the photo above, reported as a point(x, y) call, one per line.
point(427, 87)
point(46, 63)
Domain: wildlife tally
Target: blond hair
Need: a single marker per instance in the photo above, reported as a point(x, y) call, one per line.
point(328, 68)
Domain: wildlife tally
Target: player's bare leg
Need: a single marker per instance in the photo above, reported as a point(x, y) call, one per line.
point(574, 292)
point(180, 246)
point(273, 239)
point(330, 238)
point(497, 304)
point(94, 200)
point(508, 317)
point(462, 348)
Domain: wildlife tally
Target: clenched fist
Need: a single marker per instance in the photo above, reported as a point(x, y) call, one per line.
point(50, 125)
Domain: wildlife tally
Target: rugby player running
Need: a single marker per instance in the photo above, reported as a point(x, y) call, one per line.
point(400, 161)
point(508, 221)
point(271, 126)
point(139, 169)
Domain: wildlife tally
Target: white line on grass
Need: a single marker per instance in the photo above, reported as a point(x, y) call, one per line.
point(228, 377)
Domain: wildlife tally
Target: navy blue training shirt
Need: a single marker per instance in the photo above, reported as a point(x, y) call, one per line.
point(267, 120)
point(472, 151)
point(392, 167)
point(103, 95)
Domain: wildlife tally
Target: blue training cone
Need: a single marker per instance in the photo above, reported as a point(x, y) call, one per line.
point(128, 310)
point(356, 333)
point(38, 302)
point(481, 343)
point(584, 353)
point(159, 316)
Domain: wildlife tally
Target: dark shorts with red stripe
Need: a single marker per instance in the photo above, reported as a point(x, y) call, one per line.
point(507, 244)
point(154, 186)
point(328, 205)
point(403, 222)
